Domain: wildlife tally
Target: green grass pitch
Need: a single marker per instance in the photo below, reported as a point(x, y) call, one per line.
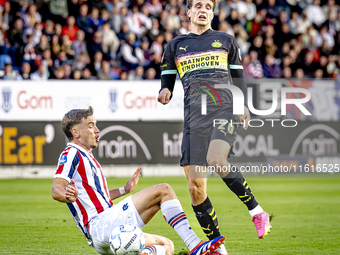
point(307, 217)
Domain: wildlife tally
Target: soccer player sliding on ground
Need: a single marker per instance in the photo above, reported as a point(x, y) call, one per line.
point(204, 58)
point(79, 181)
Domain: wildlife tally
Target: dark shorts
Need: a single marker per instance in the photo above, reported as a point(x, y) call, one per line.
point(196, 138)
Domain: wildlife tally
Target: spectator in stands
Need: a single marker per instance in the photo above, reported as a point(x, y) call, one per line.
point(96, 43)
point(48, 62)
point(58, 11)
point(308, 66)
point(251, 10)
point(299, 74)
point(137, 74)
point(42, 45)
point(103, 74)
point(15, 34)
point(67, 47)
point(154, 31)
point(122, 35)
point(132, 56)
point(173, 18)
point(232, 19)
point(94, 19)
point(7, 18)
point(25, 73)
point(286, 73)
point(79, 45)
point(98, 4)
point(155, 7)
point(76, 75)
point(110, 41)
point(58, 73)
point(137, 22)
point(271, 67)
point(40, 74)
point(144, 46)
point(29, 50)
point(61, 59)
point(315, 13)
point(254, 68)
point(150, 74)
point(103, 18)
point(9, 74)
point(83, 21)
point(67, 71)
point(31, 17)
point(117, 20)
point(157, 45)
point(55, 46)
point(86, 74)
point(70, 29)
point(81, 61)
point(96, 64)
point(49, 30)
point(257, 46)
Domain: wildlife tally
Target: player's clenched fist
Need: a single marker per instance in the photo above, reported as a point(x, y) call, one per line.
point(71, 192)
point(164, 96)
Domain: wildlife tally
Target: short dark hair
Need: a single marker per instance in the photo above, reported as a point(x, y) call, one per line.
point(189, 4)
point(72, 118)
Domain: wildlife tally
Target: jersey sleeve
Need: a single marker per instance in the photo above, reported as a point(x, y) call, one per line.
point(235, 60)
point(67, 164)
point(236, 69)
point(169, 69)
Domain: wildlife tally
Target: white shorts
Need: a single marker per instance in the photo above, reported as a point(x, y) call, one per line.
point(101, 227)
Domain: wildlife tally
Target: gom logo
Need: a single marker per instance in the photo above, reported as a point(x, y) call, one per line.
point(26, 101)
point(131, 101)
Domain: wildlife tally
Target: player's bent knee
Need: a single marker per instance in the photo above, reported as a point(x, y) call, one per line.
point(196, 186)
point(170, 248)
point(166, 190)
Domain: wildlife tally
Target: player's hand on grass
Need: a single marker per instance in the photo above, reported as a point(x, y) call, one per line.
point(71, 191)
point(245, 118)
point(132, 183)
point(164, 96)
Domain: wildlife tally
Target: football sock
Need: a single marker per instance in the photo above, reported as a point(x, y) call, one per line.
point(154, 250)
point(258, 209)
point(176, 218)
point(207, 218)
point(237, 184)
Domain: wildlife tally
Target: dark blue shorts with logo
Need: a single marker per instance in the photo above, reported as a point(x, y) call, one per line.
point(200, 130)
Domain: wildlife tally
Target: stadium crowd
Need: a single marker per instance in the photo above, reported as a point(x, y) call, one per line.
point(119, 39)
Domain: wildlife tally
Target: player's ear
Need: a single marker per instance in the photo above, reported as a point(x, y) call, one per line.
point(189, 14)
point(75, 133)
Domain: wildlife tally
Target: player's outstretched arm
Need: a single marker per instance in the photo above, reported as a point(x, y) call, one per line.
point(164, 96)
point(129, 186)
point(63, 191)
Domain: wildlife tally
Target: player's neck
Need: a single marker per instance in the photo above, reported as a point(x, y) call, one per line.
point(199, 30)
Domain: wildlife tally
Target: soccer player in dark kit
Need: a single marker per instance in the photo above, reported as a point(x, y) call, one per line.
point(205, 60)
